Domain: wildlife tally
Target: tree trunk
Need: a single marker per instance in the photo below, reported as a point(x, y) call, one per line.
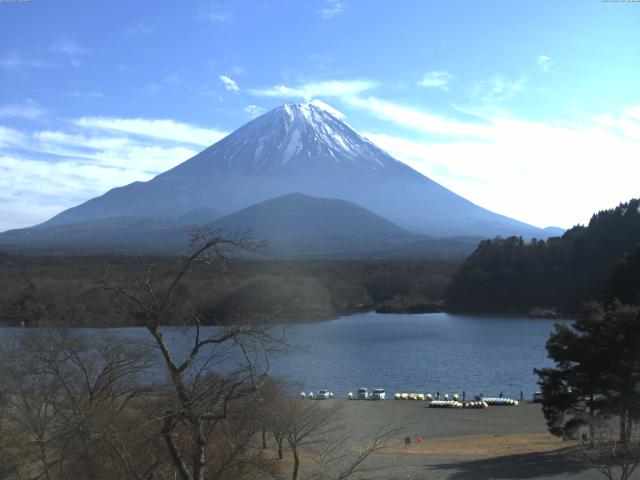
point(296, 464)
point(199, 445)
point(44, 460)
point(280, 455)
point(264, 438)
point(623, 427)
point(592, 429)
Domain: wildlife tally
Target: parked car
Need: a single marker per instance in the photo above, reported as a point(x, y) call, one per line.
point(324, 395)
point(378, 394)
point(537, 397)
point(363, 394)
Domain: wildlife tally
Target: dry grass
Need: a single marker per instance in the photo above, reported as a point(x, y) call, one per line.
point(479, 447)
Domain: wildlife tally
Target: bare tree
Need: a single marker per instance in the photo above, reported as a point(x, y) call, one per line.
point(344, 458)
point(66, 395)
point(314, 430)
point(603, 450)
point(6, 464)
point(219, 369)
point(307, 424)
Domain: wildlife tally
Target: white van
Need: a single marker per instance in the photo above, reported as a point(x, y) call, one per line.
point(363, 394)
point(378, 394)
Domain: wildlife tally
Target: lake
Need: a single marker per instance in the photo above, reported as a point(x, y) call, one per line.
point(410, 353)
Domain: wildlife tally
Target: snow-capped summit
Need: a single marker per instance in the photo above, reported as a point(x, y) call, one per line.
point(296, 137)
point(302, 148)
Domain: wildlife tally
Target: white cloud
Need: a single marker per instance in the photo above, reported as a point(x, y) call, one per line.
point(254, 110)
point(10, 137)
point(544, 63)
point(15, 61)
point(28, 109)
point(279, 91)
point(633, 112)
point(112, 151)
point(139, 28)
point(229, 83)
point(325, 106)
point(498, 89)
point(625, 126)
point(419, 120)
point(151, 89)
point(308, 91)
point(86, 96)
point(331, 9)
point(47, 171)
point(542, 173)
point(32, 191)
point(68, 48)
point(438, 79)
point(215, 14)
point(168, 130)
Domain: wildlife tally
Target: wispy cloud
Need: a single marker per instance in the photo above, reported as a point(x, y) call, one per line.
point(28, 109)
point(33, 190)
point(331, 9)
point(418, 120)
point(308, 91)
point(523, 168)
point(254, 110)
point(151, 89)
point(86, 96)
point(215, 14)
point(139, 28)
point(628, 124)
point(333, 111)
point(498, 88)
point(68, 48)
point(544, 63)
point(44, 172)
point(229, 83)
point(15, 61)
point(10, 137)
point(632, 111)
point(162, 129)
point(437, 79)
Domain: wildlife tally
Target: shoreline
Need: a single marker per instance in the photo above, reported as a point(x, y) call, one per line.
point(306, 321)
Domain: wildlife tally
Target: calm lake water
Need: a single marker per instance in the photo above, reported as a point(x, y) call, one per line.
point(409, 353)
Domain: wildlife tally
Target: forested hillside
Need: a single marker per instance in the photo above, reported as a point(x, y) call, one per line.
point(70, 290)
point(508, 274)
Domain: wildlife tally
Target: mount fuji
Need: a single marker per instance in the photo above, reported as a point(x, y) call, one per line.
point(292, 149)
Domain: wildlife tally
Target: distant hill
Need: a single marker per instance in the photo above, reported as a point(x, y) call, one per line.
point(293, 148)
point(301, 226)
point(563, 272)
point(301, 216)
point(292, 226)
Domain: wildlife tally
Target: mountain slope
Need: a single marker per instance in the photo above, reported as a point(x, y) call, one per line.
point(299, 148)
point(292, 226)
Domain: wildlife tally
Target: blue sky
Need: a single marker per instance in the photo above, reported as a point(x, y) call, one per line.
point(530, 109)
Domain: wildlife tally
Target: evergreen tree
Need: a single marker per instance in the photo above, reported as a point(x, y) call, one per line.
point(624, 282)
point(509, 274)
point(597, 372)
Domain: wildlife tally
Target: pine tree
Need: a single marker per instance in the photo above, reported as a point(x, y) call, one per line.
point(597, 372)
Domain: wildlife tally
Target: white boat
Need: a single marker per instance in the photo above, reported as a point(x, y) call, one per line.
point(500, 401)
point(445, 404)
